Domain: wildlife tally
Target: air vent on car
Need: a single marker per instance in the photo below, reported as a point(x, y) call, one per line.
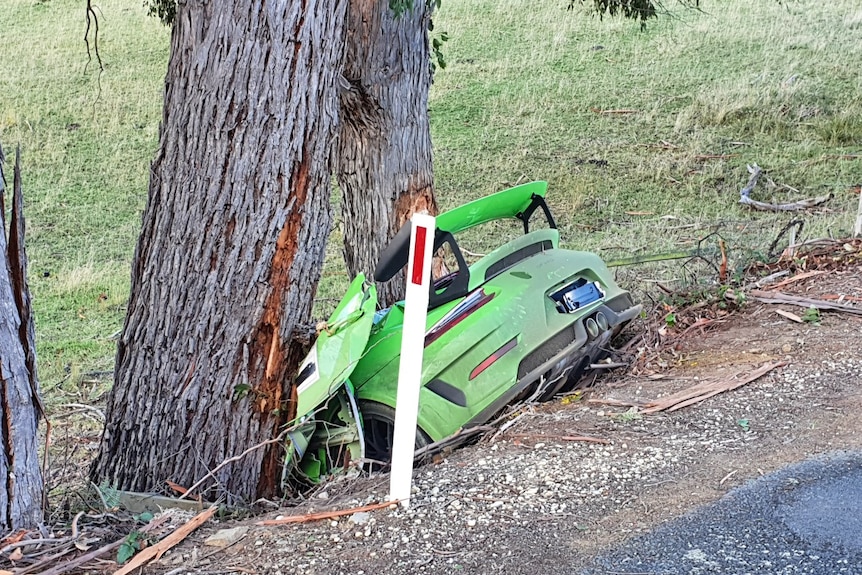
point(546, 351)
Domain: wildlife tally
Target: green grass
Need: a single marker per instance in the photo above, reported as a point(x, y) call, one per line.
point(776, 84)
point(86, 139)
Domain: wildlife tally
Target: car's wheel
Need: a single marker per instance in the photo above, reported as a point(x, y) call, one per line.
point(379, 428)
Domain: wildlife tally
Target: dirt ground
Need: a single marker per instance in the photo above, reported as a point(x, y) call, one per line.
point(533, 497)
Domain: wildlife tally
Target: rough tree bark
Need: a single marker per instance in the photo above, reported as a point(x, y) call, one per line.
point(22, 491)
point(384, 149)
point(231, 247)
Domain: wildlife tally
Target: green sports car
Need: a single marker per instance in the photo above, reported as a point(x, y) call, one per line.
point(525, 321)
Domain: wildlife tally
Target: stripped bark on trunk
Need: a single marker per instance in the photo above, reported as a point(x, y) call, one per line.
point(231, 247)
point(21, 495)
point(384, 152)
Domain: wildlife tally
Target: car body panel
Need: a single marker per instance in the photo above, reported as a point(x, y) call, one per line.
point(516, 312)
point(324, 392)
point(501, 205)
point(523, 322)
point(338, 348)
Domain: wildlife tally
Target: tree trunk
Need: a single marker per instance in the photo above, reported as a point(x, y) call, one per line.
point(21, 495)
point(231, 248)
point(384, 151)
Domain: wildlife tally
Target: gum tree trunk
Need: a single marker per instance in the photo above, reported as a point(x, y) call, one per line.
point(231, 247)
point(384, 153)
point(22, 491)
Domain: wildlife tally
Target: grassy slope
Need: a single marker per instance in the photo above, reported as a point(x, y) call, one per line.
point(777, 85)
point(87, 139)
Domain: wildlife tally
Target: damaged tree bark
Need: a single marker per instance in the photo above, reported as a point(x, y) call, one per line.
point(231, 248)
point(22, 491)
point(384, 149)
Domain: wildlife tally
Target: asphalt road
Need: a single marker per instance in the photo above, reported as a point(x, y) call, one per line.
point(804, 519)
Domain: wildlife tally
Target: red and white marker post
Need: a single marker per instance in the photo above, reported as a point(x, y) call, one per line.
point(423, 228)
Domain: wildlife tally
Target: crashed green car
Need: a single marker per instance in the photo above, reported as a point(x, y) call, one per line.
point(523, 322)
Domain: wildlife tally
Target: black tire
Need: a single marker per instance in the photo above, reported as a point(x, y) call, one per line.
point(379, 426)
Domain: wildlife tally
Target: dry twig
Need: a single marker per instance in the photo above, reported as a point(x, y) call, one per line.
point(325, 514)
point(211, 473)
point(796, 278)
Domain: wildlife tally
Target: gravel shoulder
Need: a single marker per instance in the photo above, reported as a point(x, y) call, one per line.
point(530, 500)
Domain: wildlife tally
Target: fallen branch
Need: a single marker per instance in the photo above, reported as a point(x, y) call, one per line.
point(768, 279)
point(705, 390)
point(156, 551)
point(745, 196)
point(821, 304)
point(584, 438)
point(789, 207)
point(755, 172)
point(796, 278)
point(44, 562)
point(326, 514)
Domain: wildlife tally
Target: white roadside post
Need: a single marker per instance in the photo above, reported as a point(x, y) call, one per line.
point(423, 228)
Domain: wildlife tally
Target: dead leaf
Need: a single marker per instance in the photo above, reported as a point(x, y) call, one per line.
point(16, 555)
point(14, 537)
point(176, 487)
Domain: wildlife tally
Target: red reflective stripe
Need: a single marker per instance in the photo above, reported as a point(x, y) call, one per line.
point(489, 361)
point(418, 255)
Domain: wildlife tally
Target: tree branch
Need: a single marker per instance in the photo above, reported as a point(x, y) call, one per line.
point(745, 196)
